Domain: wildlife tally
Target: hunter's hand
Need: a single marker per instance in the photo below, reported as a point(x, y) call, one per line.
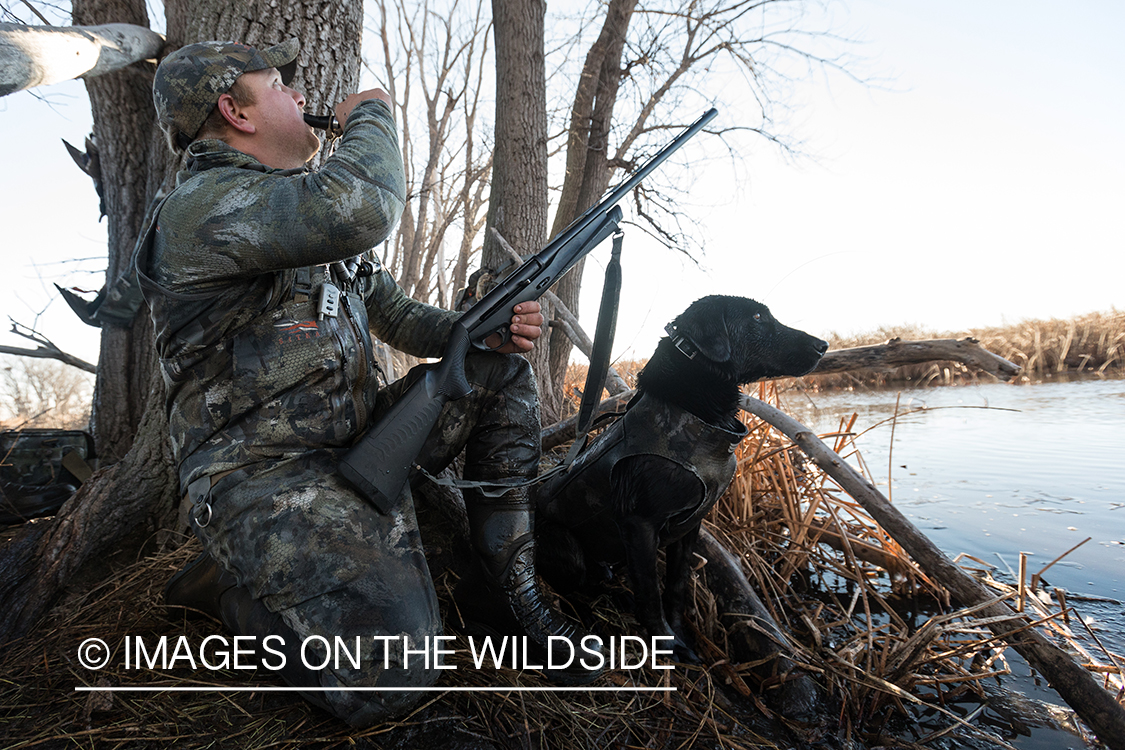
point(526, 326)
point(344, 108)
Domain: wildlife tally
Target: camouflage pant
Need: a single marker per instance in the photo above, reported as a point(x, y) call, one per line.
point(330, 564)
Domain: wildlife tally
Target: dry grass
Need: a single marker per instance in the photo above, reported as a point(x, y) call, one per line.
point(895, 662)
point(1092, 344)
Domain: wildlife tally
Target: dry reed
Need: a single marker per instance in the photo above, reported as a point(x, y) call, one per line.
point(1087, 345)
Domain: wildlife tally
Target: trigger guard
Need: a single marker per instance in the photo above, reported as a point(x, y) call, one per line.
point(505, 334)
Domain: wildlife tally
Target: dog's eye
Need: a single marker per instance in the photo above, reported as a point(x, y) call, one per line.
point(757, 317)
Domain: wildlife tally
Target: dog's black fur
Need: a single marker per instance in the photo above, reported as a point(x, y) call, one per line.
point(736, 340)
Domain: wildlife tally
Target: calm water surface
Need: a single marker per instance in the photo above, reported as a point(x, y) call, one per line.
point(995, 470)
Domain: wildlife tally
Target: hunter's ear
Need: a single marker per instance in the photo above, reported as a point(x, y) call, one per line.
point(234, 114)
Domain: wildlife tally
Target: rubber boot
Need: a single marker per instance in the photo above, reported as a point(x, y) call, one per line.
point(205, 586)
point(198, 586)
point(504, 597)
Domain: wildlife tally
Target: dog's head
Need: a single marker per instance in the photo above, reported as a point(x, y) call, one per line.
point(738, 339)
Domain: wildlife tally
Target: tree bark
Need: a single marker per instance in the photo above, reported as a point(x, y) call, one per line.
point(1077, 686)
point(133, 165)
point(41, 55)
point(517, 206)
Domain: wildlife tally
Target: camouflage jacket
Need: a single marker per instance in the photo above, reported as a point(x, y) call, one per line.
point(232, 264)
point(650, 427)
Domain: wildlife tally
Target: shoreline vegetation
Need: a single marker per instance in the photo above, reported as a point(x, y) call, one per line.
point(1090, 345)
point(1087, 345)
point(896, 662)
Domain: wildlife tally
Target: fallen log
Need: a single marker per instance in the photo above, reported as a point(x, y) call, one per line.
point(1095, 705)
point(897, 353)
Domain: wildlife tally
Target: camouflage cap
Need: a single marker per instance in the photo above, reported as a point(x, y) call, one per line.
point(190, 81)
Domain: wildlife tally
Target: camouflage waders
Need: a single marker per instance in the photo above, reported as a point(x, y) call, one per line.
point(330, 564)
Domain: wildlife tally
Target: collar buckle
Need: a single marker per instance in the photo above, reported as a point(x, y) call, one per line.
point(682, 343)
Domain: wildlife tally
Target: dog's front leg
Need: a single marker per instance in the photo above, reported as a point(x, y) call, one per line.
point(677, 574)
point(641, 543)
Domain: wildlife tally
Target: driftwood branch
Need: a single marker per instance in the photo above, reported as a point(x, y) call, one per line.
point(39, 55)
point(896, 353)
point(1077, 686)
point(45, 350)
point(567, 322)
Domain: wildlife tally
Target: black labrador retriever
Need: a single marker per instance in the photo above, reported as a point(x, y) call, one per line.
point(649, 479)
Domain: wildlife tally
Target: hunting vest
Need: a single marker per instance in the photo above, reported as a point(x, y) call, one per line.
point(651, 427)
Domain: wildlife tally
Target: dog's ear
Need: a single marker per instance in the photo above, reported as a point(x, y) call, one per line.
point(706, 327)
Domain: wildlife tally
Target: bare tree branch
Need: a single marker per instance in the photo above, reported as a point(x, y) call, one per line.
point(45, 350)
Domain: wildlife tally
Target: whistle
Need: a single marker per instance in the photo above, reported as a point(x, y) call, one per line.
point(328, 123)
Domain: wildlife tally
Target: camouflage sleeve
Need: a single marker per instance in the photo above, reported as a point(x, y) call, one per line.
point(407, 324)
point(237, 219)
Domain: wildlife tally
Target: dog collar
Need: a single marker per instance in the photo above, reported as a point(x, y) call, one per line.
point(685, 345)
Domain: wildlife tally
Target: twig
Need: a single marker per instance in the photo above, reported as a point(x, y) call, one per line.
point(1036, 578)
point(35, 10)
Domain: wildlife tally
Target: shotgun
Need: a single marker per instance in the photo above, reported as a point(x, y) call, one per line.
point(379, 463)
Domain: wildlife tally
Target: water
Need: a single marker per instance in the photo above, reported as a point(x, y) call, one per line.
point(995, 470)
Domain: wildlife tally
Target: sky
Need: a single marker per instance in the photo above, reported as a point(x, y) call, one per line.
point(976, 182)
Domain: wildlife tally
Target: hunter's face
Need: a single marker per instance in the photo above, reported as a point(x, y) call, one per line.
point(276, 112)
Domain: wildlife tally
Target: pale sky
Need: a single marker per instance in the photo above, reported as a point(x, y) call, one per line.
point(980, 185)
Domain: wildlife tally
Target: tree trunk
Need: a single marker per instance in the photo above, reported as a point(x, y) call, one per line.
point(140, 492)
point(587, 156)
point(133, 164)
point(517, 207)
